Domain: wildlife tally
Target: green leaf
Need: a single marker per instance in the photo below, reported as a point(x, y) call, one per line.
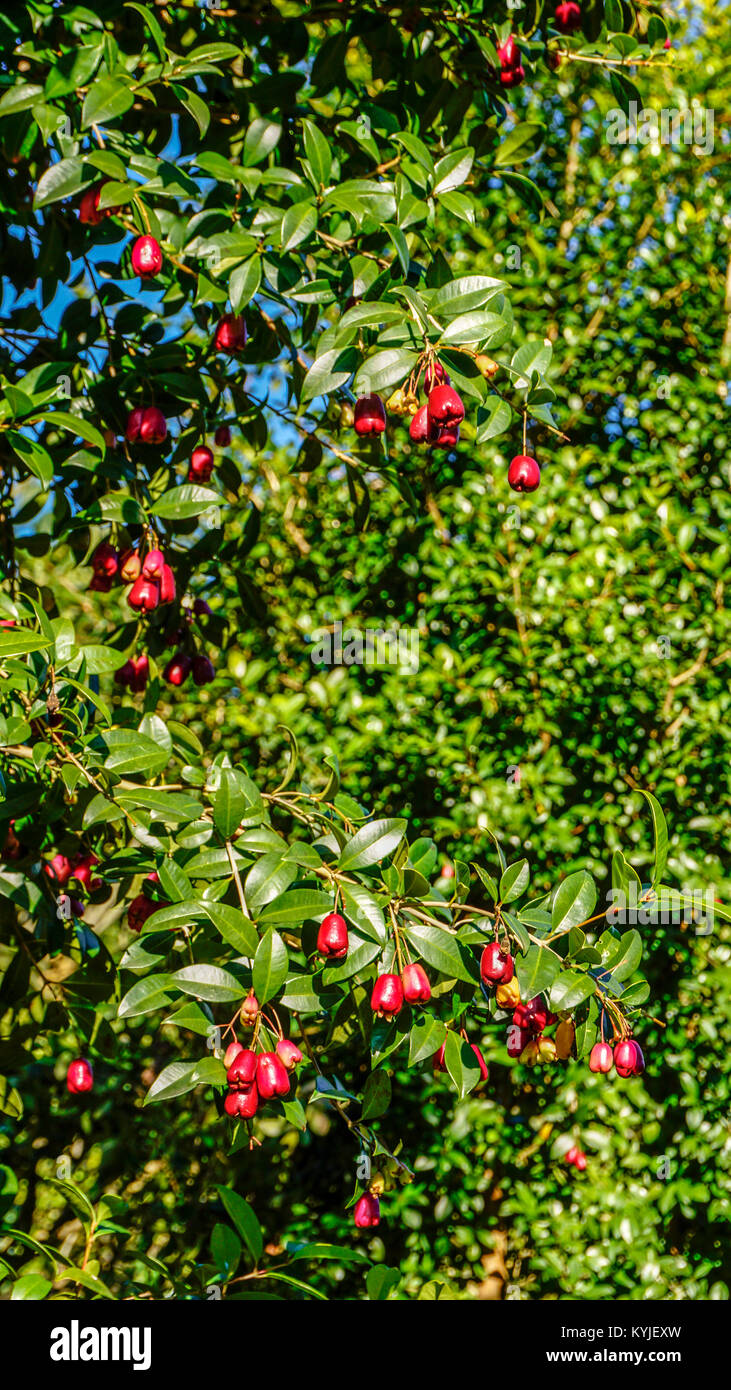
point(425, 1038)
point(245, 1221)
point(296, 906)
point(18, 641)
point(31, 1286)
point(661, 837)
point(298, 224)
point(523, 141)
point(244, 283)
point(376, 1095)
point(154, 992)
point(189, 499)
point(574, 901)
point(570, 988)
point(383, 370)
point(440, 949)
point(61, 180)
point(271, 964)
point(372, 844)
point(207, 982)
point(106, 99)
point(514, 881)
point(233, 926)
point(452, 170)
point(319, 154)
point(225, 1249)
point(461, 1064)
point(174, 1080)
point(536, 970)
point(128, 751)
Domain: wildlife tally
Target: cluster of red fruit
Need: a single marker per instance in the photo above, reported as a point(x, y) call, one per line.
point(626, 1056)
point(436, 424)
point(142, 907)
point(79, 1077)
point(390, 992)
point(575, 1158)
point(60, 869)
point(512, 71)
point(152, 580)
point(256, 1076)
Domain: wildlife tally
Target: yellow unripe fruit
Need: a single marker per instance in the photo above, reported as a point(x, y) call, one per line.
point(508, 995)
point(486, 366)
point(565, 1035)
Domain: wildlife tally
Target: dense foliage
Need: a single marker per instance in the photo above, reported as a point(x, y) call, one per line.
point(352, 182)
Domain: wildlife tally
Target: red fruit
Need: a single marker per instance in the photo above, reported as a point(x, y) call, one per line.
point(568, 17)
point(445, 406)
point(58, 870)
point(79, 1076)
point(553, 60)
point(435, 375)
point(422, 429)
point(524, 475)
point(203, 670)
point(415, 984)
point(480, 1061)
point(177, 669)
point(496, 965)
point(512, 77)
point(140, 672)
point(248, 1102)
point(288, 1054)
point(250, 1009)
point(572, 1154)
point(242, 1070)
point(628, 1058)
point(230, 335)
point(332, 938)
point(532, 1015)
point(152, 564)
point(101, 583)
point(167, 585)
point(146, 257)
point(439, 1062)
point(144, 595)
point(601, 1057)
point(201, 463)
point(231, 1052)
point(89, 213)
point(581, 1162)
point(370, 415)
point(153, 429)
point(508, 53)
point(271, 1075)
point(82, 868)
point(231, 1103)
point(134, 425)
point(367, 1210)
point(388, 996)
point(448, 438)
point(222, 437)
point(518, 1039)
point(139, 910)
point(130, 566)
point(105, 560)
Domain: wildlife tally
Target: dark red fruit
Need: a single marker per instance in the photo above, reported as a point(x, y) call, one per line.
point(422, 429)
point(367, 1211)
point(332, 938)
point(89, 212)
point(146, 257)
point(415, 984)
point(134, 425)
point(105, 560)
point(203, 670)
point(518, 1039)
point(448, 437)
point(533, 1015)
point(222, 437)
point(388, 996)
point(524, 475)
point(144, 595)
point(230, 335)
point(370, 415)
point(445, 406)
point(153, 429)
point(201, 464)
point(79, 1076)
point(139, 910)
point(58, 870)
point(568, 17)
point(177, 669)
point(242, 1070)
point(167, 585)
point(271, 1075)
point(601, 1058)
point(512, 77)
point(496, 965)
point(288, 1054)
point(628, 1058)
point(231, 1103)
point(81, 869)
point(248, 1102)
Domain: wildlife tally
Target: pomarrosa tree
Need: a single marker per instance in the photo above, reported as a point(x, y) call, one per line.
point(221, 230)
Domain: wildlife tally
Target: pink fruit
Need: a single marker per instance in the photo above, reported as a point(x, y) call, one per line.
point(232, 1051)
point(415, 984)
point(367, 1211)
point(242, 1070)
point(144, 595)
point(146, 257)
point(288, 1054)
point(601, 1058)
point(177, 669)
point(496, 965)
point(524, 475)
point(153, 429)
point(332, 938)
point(167, 585)
point(79, 1076)
point(422, 429)
point(388, 996)
point(271, 1075)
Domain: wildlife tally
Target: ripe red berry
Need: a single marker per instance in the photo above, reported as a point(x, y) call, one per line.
point(146, 257)
point(388, 996)
point(201, 464)
point(177, 669)
point(508, 53)
point(105, 560)
point(370, 415)
point(153, 429)
point(101, 583)
point(144, 595)
point(230, 335)
point(222, 437)
point(288, 1053)
point(568, 17)
point(203, 670)
point(524, 475)
point(167, 585)
point(134, 424)
point(271, 1075)
point(581, 1162)
point(139, 910)
point(89, 213)
point(241, 1071)
point(79, 1076)
point(601, 1057)
point(58, 870)
point(231, 1103)
point(448, 437)
point(423, 429)
point(572, 1154)
point(533, 1015)
point(512, 77)
point(367, 1211)
point(81, 869)
point(248, 1101)
point(482, 1064)
point(518, 1039)
point(332, 938)
point(496, 965)
point(628, 1058)
point(415, 984)
point(152, 564)
point(445, 406)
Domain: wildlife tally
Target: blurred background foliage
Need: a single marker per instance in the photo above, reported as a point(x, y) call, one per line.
point(579, 636)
